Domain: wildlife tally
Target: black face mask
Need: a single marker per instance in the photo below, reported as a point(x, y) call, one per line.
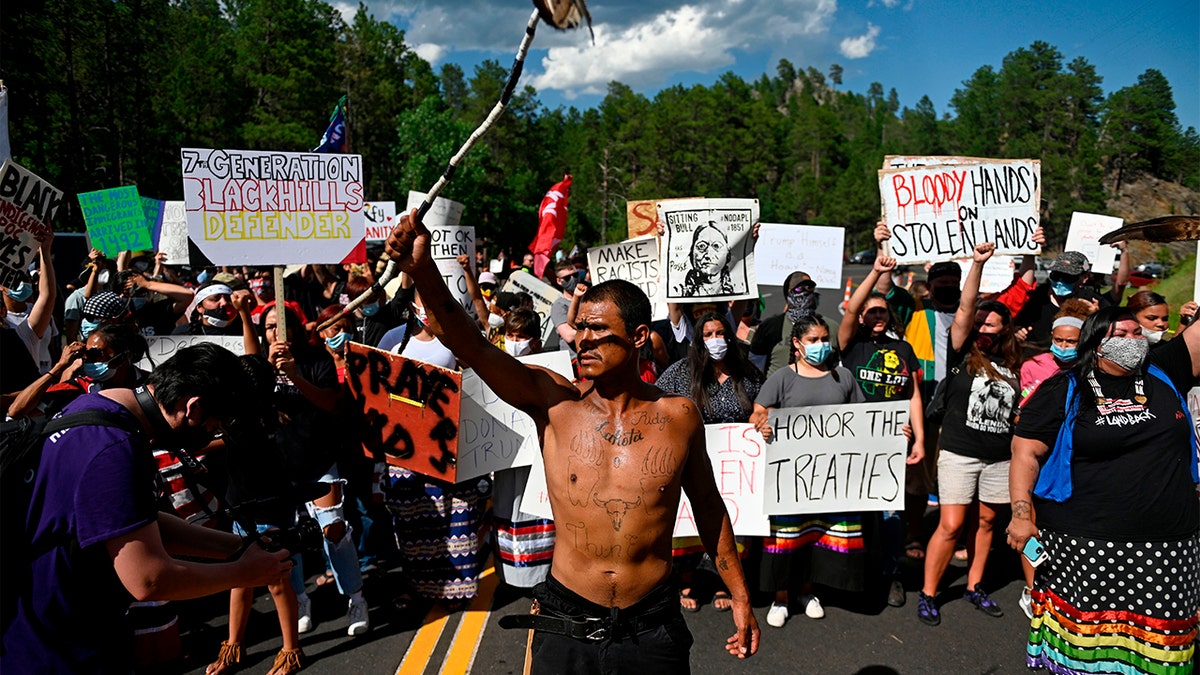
point(946, 295)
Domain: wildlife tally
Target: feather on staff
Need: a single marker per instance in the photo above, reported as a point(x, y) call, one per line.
point(1161, 230)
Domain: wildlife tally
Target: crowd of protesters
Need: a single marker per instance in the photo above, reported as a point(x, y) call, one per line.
point(1052, 410)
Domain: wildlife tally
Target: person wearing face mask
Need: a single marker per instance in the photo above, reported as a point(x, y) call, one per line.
point(1153, 314)
point(1070, 277)
point(1105, 454)
point(373, 320)
point(217, 309)
point(771, 348)
point(1064, 341)
point(836, 556)
point(981, 393)
point(565, 280)
point(32, 318)
point(156, 305)
point(102, 309)
point(723, 383)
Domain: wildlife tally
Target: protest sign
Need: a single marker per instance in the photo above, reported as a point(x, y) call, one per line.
point(410, 410)
point(707, 249)
point(907, 161)
point(173, 237)
point(442, 212)
point(1196, 286)
point(493, 435)
point(636, 261)
point(115, 220)
point(641, 216)
point(28, 205)
point(736, 452)
point(246, 207)
point(997, 273)
point(543, 294)
point(831, 458)
point(1084, 236)
point(153, 208)
point(448, 240)
point(378, 219)
point(163, 347)
point(942, 212)
point(813, 249)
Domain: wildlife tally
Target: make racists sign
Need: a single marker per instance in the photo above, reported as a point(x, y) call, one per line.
point(707, 250)
point(377, 217)
point(543, 295)
point(636, 261)
point(833, 458)
point(28, 205)
point(941, 212)
point(410, 410)
point(738, 457)
point(246, 207)
point(116, 220)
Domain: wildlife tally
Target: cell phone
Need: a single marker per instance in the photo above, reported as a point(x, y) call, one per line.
point(1034, 552)
point(1085, 293)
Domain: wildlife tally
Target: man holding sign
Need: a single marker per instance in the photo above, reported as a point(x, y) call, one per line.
point(618, 455)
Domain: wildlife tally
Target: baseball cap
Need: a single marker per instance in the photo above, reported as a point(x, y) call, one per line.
point(944, 268)
point(488, 278)
point(105, 305)
point(1072, 263)
point(798, 279)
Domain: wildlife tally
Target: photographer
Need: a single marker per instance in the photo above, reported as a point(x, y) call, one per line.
point(95, 537)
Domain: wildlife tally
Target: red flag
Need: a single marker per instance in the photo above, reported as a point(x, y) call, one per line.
point(552, 224)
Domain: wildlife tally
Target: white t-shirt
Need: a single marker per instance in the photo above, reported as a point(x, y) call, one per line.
point(39, 348)
point(431, 351)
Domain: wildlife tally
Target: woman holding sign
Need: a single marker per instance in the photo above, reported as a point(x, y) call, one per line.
point(980, 392)
point(803, 549)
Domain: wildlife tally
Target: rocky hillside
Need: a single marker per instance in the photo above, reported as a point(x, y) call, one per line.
point(1147, 198)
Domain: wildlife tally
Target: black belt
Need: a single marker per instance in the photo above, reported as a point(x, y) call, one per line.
point(590, 628)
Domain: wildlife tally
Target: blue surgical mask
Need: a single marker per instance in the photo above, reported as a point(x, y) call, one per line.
point(87, 327)
point(1061, 288)
point(337, 342)
point(817, 353)
point(1065, 354)
point(203, 277)
point(22, 292)
point(102, 371)
point(370, 309)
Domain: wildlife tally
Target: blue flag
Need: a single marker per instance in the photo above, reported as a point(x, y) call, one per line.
point(334, 139)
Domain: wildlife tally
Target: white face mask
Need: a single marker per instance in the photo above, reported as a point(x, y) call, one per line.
point(716, 347)
point(1153, 336)
point(495, 320)
point(517, 347)
point(419, 312)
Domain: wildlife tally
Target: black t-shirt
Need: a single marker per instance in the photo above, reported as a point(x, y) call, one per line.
point(19, 370)
point(391, 314)
point(1038, 314)
point(979, 410)
point(884, 369)
point(769, 333)
point(310, 438)
point(1131, 463)
point(157, 316)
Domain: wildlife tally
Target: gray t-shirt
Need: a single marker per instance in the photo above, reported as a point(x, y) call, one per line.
point(558, 316)
point(785, 389)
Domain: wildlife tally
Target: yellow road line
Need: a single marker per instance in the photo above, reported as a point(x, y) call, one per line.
point(461, 655)
point(424, 642)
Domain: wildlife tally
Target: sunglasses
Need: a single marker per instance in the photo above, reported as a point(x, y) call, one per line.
point(1065, 278)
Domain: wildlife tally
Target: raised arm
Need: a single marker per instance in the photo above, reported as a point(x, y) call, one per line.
point(1121, 276)
point(97, 263)
point(964, 318)
point(43, 309)
point(179, 295)
point(481, 310)
point(884, 282)
point(883, 267)
point(1027, 272)
point(1027, 458)
point(573, 310)
point(243, 301)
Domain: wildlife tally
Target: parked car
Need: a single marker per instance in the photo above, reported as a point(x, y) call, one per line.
point(1153, 270)
point(863, 257)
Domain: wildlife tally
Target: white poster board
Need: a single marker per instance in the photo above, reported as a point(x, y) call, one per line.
point(493, 435)
point(163, 347)
point(1084, 236)
point(635, 261)
point(908, 161)
point(446, 243)
point(737, 453)
point(707, 250)
point(1196, 286)
point(442, 212)
point(543, 295)
point(246, 207)
point(997, 273)
point(833, 458)
point(813, 249)
point(378, 218)
point(942, 212)
point(28, 205)
point(173, 239)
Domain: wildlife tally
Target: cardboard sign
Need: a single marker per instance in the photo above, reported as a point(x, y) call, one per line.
point(737, 453)
point(28, 205)
point(163, 347)
point(942, 212)
point(813, 249)
point(641, 216)
point(832, 458)
point(173, 236)
point(378, 217)
point(635, 261)
point(543, 294)
point(443, 212)
point(246, 207)
point(115, 220)
point(1084, 236)
point(997, 273)
point(707, 250)
point(908, 161)
point(410, 410)
point(446, 243)
point(494, 435)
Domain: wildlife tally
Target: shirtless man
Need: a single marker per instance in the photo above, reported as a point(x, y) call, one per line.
point(617, 455)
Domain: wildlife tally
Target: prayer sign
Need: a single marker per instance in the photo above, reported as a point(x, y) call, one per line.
point(28, 205)
point(410, 410)
point(832, 458)
point(737, 454)
point(543, 295)
point(813, 249)
point(163, 347)
point(246, 207)
point(1084, 236)
point(707, 250)
point(494, 435)
point(378, 219)
point(636, 261)
point(941, 212)
point(173, 236)
point(115, 220)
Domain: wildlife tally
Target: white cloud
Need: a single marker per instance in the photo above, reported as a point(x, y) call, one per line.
point(861, 46)
point(890, 4)
point(430, 52)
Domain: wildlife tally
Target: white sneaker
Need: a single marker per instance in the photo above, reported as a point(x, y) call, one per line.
point(777, 615)
point(1026, 602)
point(812, 607)
point(357, 616)
point(305, 606)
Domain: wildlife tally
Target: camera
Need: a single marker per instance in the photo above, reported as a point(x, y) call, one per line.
point(303, 537)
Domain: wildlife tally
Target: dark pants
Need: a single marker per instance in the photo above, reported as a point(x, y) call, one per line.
point(661, 648)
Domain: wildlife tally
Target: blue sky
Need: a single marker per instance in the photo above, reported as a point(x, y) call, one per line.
point(917, 47)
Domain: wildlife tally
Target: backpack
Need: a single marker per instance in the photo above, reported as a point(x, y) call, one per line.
point(21, 443)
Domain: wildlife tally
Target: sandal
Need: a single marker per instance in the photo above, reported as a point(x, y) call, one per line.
point(287, 661)
point(227, 659)
point(686, 596)
point(961, 554)
point(915, 550)
point(324, 579)
point(723, 597)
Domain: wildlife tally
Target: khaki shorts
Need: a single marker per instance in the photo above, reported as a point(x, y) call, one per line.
point(962, 479)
